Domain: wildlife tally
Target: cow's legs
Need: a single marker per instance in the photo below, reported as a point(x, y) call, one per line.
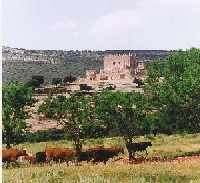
point(67, 161)
point(76, 161)
point(146, 152)
point(15, 161)
point(48, 159)
point(6, 164)
point(58, 161)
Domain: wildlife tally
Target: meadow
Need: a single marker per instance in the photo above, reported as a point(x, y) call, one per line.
point(187, 170)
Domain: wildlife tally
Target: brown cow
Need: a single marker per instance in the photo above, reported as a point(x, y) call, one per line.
point(97, 148)
point(31, 159)
point(11, 155)
point(116, 149)
point(59, 154)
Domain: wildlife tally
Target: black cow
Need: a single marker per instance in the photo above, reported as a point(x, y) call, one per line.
point(103, 154)
point(84, 156)
point(41, 157)
point(140, 146)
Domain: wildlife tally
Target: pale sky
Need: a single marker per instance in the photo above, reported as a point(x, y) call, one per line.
point(102, 24)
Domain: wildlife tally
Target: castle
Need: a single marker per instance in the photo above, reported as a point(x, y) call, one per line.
point(117, 67)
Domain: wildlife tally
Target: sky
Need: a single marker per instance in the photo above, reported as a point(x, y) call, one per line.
point(101, 24)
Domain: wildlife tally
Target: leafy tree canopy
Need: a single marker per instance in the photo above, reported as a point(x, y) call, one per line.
point(17, 98)
point(173, 90)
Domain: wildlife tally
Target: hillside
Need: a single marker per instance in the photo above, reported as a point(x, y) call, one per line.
point(23, 64)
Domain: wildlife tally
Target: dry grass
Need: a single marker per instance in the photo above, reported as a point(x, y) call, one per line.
point(175, 145)
point(112, 172)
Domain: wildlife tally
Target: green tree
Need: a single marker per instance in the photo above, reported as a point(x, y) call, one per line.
point(174, 91)
point(139, 82)
point(17, 98)
point(69, 79)
point(122, 113)
point(114, 113)
point(85, 87)
point(33, 83)
point(40, 79)
point(73, 112)
point(56, 81)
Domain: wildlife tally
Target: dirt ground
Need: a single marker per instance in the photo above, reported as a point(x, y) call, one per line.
point(139, 160)
point(143, 160)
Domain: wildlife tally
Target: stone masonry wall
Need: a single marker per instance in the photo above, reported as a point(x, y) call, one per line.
point(119, 61)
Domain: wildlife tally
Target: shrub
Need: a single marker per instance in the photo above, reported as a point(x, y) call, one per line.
point(138, 81)
point(45, 135)
point(85, 87)
point(33, 83)
point(56, 81)
point(69, 79)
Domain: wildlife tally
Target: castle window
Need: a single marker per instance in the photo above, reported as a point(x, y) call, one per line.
point(118, 62)
point(113, 63)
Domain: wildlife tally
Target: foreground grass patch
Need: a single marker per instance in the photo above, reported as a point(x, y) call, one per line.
point(113, 172)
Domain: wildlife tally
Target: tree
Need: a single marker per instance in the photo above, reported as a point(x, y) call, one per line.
point(69, 79)
point(85, 87)
point(33, 83)
point(138, 81)
point(174, 91)
point(56, 81)
point(116, 113)
point(73, 112)
point(40, 79)
point(124, 113)
point(49, 107)
point(17, 98)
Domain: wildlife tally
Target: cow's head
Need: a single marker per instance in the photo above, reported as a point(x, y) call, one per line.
point(149, 143)
point(24, 153)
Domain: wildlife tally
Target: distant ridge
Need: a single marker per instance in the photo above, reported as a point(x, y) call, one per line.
point(23, 64)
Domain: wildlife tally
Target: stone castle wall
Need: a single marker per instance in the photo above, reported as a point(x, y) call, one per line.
point(116, 67)
point(119, 61)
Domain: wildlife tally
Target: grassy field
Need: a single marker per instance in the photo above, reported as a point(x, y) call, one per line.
point(163, 146)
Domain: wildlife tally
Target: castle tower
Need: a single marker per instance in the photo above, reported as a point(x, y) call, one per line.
point(120, 61)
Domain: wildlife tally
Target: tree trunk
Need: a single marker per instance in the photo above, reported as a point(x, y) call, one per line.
point(78, 147)
point(128, 142)
point(130, 154)
point(8, 146)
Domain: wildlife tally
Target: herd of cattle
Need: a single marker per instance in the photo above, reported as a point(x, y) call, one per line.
point(94, 155)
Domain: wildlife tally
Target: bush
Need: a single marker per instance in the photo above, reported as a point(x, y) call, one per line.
point(69, 79)
point(45, 135)
point(40, 79)
point(110, 87)
point(138, 81)
point(56, 81)
point(33, 83)
point(85, 87)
